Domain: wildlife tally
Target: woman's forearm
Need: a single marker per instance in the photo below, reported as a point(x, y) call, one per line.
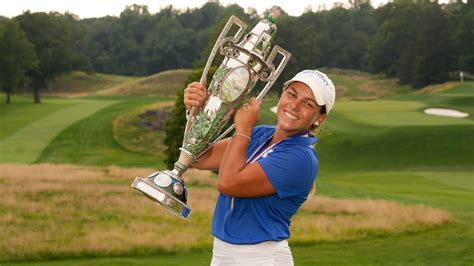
point(212, 158)
point(202, 163)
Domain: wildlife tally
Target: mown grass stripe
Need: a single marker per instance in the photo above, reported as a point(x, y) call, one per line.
point(22, 111)
point(91, 142)
point(27, 143)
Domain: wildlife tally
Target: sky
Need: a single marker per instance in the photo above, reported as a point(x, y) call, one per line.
point(100, 8)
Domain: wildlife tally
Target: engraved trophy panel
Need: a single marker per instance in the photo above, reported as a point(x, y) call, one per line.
point(246, 60)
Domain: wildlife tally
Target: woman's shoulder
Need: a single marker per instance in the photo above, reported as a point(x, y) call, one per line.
point(262, 130)
point(265, 127)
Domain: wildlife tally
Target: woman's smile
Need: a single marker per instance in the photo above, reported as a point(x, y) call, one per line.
point(290, 116)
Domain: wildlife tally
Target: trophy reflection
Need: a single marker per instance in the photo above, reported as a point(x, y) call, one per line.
point(246, 60)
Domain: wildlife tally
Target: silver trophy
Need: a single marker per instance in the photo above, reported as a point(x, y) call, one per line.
point(246, 61)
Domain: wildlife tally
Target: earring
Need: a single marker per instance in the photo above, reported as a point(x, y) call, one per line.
point(316, 124)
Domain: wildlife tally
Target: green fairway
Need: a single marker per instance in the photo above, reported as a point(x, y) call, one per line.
point(35, 133)
point(386, 113)
point(395, 133)
point(91, 141)
point(22, 111)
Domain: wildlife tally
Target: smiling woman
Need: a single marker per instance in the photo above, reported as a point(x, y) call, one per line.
point(265, 172)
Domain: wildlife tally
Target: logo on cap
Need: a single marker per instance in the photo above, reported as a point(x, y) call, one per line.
point(317, 73)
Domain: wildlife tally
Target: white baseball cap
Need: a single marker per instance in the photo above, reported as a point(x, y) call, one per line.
point(323, 89)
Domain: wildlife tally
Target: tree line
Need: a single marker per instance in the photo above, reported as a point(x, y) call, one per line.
point(419, 42)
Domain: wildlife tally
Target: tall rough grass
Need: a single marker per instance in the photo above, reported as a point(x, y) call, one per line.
point(323, 218)
point(52, 211)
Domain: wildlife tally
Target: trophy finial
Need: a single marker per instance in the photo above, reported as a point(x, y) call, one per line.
point(273, 17)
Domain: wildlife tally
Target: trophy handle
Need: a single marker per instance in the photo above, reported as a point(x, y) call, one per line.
point(242, 27)
point(232, 20)
point(286, 57)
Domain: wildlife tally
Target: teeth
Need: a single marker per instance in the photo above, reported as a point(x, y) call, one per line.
point(290, 116)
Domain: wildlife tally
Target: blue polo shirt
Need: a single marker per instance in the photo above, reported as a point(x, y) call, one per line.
point(291, 166)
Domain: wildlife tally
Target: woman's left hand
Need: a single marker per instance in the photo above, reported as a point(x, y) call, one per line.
point(247, 116)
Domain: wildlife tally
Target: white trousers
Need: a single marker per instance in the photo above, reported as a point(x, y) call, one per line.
point(270, 253)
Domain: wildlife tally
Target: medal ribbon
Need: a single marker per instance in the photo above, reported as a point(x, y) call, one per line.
point(256, 156)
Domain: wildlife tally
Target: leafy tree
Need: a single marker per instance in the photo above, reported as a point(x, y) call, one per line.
point(115, 44)
point(103, 35)
point(412, 44)
point(384, 49)
point(431, 61)
point(173, 48)
point(418, 42)
point(341, 35)
point(56, 38)
point(216, 27)
point(303, 42)
point(461, 19)
point(17, 56)
point(138, 43)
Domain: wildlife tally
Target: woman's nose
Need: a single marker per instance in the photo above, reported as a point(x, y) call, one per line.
point(294, 106)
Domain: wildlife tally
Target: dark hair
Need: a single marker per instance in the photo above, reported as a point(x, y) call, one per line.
point(322, 111)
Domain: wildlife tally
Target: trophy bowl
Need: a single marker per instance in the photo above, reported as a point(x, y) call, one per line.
point(246, 60)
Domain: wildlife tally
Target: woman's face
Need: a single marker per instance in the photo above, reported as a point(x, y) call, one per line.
point(297, 109)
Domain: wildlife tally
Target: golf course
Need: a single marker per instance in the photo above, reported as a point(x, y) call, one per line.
point(395, 185)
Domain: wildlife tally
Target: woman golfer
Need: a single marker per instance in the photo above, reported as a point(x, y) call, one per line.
point(265, 172)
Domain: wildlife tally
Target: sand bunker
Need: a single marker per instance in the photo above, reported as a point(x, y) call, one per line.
point(274, 109)
point(445, 112)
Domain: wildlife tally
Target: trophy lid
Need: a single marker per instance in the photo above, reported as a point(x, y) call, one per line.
point(268, 24)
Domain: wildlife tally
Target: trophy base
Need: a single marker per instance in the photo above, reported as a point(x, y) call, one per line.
point(161, 196)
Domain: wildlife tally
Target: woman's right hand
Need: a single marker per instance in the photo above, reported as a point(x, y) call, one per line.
point(194, 95)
